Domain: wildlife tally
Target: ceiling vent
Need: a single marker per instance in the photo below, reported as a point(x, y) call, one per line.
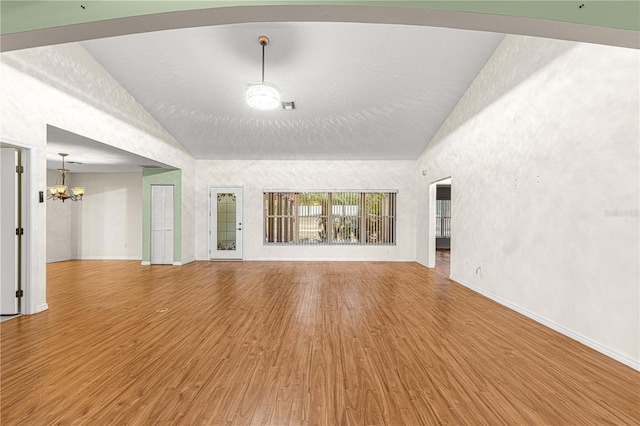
point(289, 106)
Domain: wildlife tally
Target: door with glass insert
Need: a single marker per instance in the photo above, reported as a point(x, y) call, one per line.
point(225, 209)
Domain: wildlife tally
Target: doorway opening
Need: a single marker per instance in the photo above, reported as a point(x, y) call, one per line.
point(13, 210)
point(440, 221)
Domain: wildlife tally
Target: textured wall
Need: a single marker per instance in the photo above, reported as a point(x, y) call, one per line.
point(64, 86)
point(58, 225)
point(108, 222)
point(256, 176)
point(543, 155)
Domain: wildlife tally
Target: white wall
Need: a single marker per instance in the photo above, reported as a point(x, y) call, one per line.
point(108, 221)
point(58, 225)
point(542, 147)
point(256, 176)
point(64, 86)
point(106, 224)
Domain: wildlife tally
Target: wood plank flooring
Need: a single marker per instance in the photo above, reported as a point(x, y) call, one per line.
point(279, 343)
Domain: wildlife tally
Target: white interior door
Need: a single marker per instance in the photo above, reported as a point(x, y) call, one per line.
point(225, 211)
point(162, 224)
point(8, 237)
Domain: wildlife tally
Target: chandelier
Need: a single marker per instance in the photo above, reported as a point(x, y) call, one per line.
point(263, 95)
point(60, 191)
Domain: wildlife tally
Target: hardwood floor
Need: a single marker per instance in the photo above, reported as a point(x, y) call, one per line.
point(294, 343)
point(443, 262)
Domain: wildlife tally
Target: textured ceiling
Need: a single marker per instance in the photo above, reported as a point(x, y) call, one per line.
point(90, 156)
point(362, 91)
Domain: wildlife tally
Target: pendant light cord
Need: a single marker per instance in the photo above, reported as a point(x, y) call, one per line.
point(263, 63)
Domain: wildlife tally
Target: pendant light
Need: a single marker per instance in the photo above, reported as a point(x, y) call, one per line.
point(263, 95)
point(60, 191)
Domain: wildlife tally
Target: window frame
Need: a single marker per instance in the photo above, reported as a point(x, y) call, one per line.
point(282, 218)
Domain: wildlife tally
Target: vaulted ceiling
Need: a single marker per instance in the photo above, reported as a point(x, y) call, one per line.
point(361, 91)
point(368, 82)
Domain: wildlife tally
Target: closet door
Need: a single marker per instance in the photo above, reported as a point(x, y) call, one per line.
point(162, 224)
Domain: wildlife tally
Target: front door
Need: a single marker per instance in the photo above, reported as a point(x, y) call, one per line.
point(225, 211)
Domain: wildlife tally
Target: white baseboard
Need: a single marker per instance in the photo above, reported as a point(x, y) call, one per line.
point(59, 259)
point(108, 258)
point(94, 258)
point(425, 264)
point(41, 308)
point(315, 259)
point(325, 259)
point(148, 263)
point(618, 356)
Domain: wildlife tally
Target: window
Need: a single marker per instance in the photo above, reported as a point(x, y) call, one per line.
point(443, 219)
point(345, 218)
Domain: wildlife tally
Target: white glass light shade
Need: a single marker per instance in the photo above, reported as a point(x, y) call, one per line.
point(61, 189)
point(78, 191)
point(52, 190)
point(263, 95)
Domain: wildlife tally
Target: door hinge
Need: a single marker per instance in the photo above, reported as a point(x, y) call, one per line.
point(19, 169)
point(19, 293)
point(19, 231)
